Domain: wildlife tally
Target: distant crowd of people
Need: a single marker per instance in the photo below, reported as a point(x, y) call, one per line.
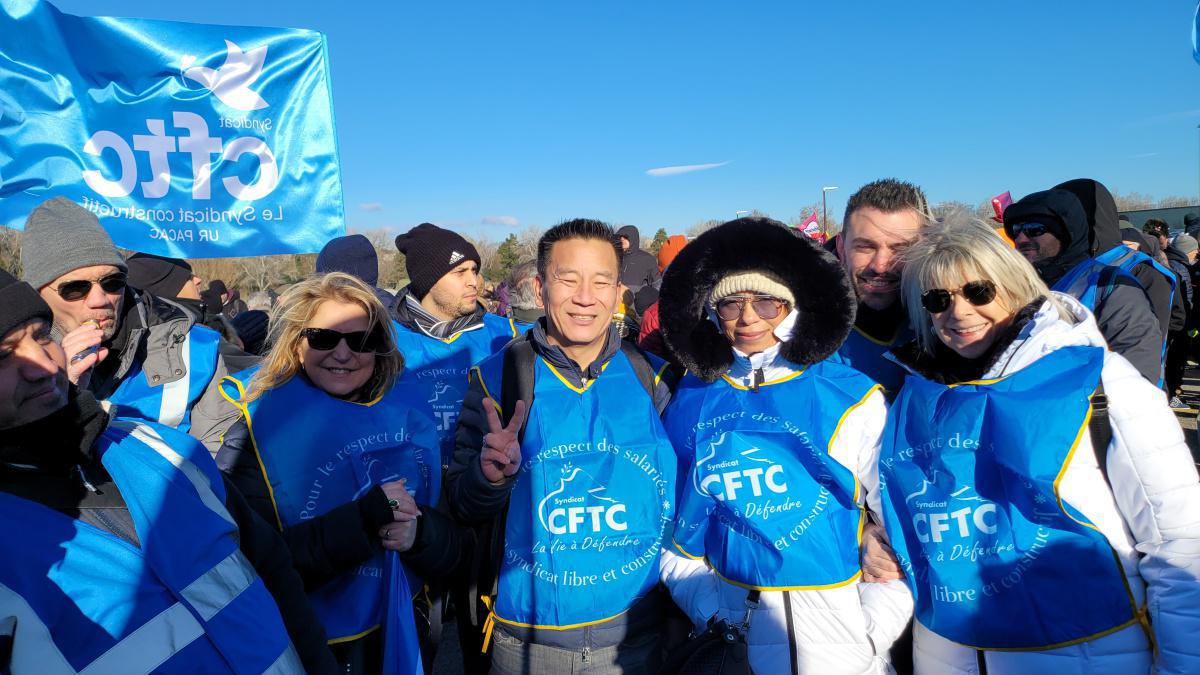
point(922, 446)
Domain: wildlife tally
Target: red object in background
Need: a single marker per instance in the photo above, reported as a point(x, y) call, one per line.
point(999, 203)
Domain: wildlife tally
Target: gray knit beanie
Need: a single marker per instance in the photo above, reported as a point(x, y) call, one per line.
point(1185, 244)
point(62, 236)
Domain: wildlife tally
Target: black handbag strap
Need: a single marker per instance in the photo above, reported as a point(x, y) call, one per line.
point(1100, 430)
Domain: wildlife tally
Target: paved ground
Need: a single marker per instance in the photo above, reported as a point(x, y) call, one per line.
point(1191, 396)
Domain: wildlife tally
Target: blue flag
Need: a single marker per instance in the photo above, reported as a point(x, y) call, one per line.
point(186, 140)
point(1196, 34)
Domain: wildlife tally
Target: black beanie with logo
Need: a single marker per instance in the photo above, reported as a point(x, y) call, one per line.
point(430, 253)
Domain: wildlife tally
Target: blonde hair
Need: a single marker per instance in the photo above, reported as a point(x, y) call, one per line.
point(291, 315)
point(959, 249)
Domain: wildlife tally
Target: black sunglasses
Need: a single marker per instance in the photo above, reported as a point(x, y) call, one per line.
point(937, 300)
point(361, 341)
point(1031, 230)
point(79, 288)
point(765, 306)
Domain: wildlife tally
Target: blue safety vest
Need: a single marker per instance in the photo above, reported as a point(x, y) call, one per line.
point(319, 452)
point(186, 601)
point(170, 403)
point(866, 355)
point(760, 498)
point(969, 482)
point(1126, 258)
point(1083, 281)
point(592, 502)
point(437, 369)
point(518, 328)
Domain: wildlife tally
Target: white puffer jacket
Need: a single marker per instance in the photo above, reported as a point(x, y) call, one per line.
point(1151, 516)
point(846, 630)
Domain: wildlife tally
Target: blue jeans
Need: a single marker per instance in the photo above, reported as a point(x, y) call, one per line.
point(638, 654)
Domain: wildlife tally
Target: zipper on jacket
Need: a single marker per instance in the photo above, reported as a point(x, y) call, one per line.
point(756, 378)
point(83, 477)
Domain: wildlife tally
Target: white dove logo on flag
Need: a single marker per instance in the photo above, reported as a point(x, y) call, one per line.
point(231, 82)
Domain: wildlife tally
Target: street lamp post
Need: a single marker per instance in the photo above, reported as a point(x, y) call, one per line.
point(824, 212)
point(738, 214)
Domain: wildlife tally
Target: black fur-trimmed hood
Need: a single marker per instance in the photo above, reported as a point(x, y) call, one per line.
point(824, 298)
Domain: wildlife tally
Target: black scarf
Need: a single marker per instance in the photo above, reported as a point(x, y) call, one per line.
point(945, 366)
point(58, 442)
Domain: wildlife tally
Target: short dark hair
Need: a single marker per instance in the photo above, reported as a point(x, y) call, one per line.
point(889, 195)
point(1157, 227)
point(579, 228)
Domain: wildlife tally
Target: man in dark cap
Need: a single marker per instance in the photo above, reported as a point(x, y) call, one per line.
point(1051, 229)
point(1191, 225)
point(354, 255)
point(123, 345)
point(63, 464)
point(442, 330)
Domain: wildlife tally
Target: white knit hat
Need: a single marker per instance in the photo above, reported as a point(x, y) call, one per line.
point(753, 282)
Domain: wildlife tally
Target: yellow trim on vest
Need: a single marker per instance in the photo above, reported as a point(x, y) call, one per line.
point(570, 627)
point(1067, 462)
point(980, 382)
point(489, 624)
point(685, 553)
point(838, 428)
point(751, 587)
point(1058, 497)
point(487, 393)
point(662, 369)
point(245, 410)
point(512, 325)
point(881, 343)
point(586, 383)
point(1057, 645)
point(352, 638)
point(781, 380)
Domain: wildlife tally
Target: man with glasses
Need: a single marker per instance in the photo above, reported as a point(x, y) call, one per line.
point(1072, 255)
point(882, 220)
point(127, 347)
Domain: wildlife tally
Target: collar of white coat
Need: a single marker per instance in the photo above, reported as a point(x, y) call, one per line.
point(1046, 332)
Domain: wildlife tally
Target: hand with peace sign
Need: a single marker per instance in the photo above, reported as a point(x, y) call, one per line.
point(501, 456)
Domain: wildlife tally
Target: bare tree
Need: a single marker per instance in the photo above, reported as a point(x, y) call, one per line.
point(10, 251)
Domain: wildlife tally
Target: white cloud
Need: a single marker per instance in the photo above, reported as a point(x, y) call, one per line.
point(506, 221)
point(371, 207)
point(686, 168)
point(1144, 155)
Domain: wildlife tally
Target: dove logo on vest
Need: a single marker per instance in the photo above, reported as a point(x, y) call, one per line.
point(187, 140)
point(579, 505)
point(748, 475)
point(958, 516)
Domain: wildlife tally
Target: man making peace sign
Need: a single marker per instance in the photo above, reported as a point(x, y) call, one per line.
point(560, 447)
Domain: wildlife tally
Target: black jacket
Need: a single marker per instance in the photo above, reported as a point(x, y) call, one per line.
point(638, 268)
point(1125, 316)
point(48, 461)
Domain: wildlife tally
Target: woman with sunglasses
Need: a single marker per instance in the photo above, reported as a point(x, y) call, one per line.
point(342, 461)
point(776, 446)
point(1036, 490)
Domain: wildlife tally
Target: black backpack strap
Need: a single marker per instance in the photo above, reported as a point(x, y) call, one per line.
point(1100, 430)
point(517, 380)
point(646, 373)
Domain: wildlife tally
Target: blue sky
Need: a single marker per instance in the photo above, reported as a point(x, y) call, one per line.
point(493, 117)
